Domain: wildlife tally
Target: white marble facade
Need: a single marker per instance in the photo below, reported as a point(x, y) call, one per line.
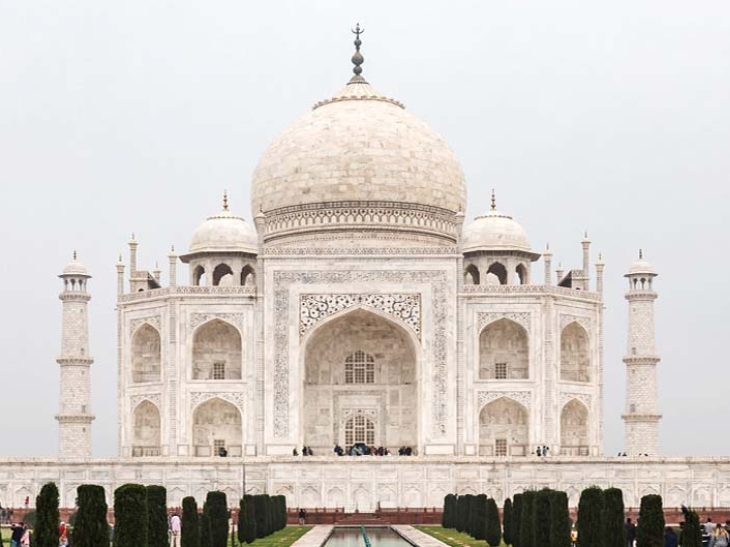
point(359, 306)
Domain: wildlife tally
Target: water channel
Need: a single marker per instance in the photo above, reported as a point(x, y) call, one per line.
point(353, 537)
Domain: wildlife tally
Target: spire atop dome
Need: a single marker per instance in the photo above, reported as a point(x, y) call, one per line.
point(494, 201)
point(225, 200)
point(357, 58)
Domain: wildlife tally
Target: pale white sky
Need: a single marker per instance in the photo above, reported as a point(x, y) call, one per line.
point(611, 117)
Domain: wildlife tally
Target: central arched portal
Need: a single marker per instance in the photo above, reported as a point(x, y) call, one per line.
point(360, 384)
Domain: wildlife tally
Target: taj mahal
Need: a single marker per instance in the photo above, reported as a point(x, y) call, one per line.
point(360, 307)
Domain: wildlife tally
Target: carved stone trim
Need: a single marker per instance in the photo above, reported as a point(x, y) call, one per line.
point(584, 398)
point(197, 319)
point(523, 319)
point(486, 397)
point(198, 397)
point(154, 398)
point(584, 321)
point(282, 282)
point(315, 307)
point(152, 320)
point(367, 251)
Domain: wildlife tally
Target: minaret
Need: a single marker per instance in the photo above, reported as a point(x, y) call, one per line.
point(641, 420)
point(74, 414)
point(586, 244)
point(548, 257)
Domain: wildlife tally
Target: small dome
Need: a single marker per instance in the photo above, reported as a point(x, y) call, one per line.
point(641, 266)
point(224, 233)
point(75, 268)
point(494, 231)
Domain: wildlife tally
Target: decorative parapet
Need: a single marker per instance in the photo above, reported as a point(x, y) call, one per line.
point(185, 291)
point(477, 290)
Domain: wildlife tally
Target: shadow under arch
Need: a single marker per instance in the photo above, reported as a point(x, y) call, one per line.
point(327, 401)
point(504, 428)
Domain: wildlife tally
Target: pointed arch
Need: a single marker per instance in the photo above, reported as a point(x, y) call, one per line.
point(217, 424)
point(574, 440)
point(217, 351)
point(199, 275)
point(497, 270)
point(248, 276)
point(385, 352)
point(504, 351)
point(146, 435)
point(471, 275)
point(222, 275)
point(146, 354)
point(575, 355)
point(504, 428)
point(522, 275)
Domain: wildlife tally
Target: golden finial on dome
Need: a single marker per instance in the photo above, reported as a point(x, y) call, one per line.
point(357, 58)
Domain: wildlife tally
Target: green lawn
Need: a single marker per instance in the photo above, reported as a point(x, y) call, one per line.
point(452, 537)
point(283, 538)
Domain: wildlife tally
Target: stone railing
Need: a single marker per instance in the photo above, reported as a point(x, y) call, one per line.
point(187, 290)
point(530, 289)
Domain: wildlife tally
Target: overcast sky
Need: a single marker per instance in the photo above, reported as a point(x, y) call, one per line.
point(611, 117)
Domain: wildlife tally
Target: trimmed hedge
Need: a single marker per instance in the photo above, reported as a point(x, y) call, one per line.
point(507, 516)
point(263, 518)
point(691, 535)
point(189, 526)
point(217, 508)
point(517, 520)
point(246, 520)
point(130, 516)
point(157, 523)
point(461, 514)
point(613, 515)
point(590, 518)
point(493, 532)
point(559, 519)
point(92, 528)
point(479, 514)
point(205, 530)
point(448, 517)
point(527, 524)
point(650, 530)
point(47, 517)
point(542, 518)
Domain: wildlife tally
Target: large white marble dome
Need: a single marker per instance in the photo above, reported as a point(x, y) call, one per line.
point(359, 161)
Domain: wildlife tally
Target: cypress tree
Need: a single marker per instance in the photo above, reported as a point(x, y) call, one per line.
point(480, 514)
point(516, 519)
point(650, 530)
point(493, 528)
point(217, 507)
point(542, 516)
point(261, 509)
point(461, 514)
point(527, 523)
point(157, 523)
point(447, 517)
point(692, 531)
point(47, 517)
point(559, 520)
point(471, 519)
point(92, 528)
point(130, 516)
point(205, 529)
point(283, 512)
point(613, 516)
point(590, 518)
point(189, 529)
point(507, 517)
point(247, 521)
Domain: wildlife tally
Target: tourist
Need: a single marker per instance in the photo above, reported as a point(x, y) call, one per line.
point(630, 533)
point(573, 536)
point(719, 537)
point(670, 537)
point(25, 538)
point(338, 450)
point(294, 452)
point(707, 529)
point(302, 516)
point(175, 530)
point(16, 534)
point(62, 534)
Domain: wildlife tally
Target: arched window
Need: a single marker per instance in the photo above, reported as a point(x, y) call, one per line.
point(146, 355)
point(471, 275)
point(199, 275)
point(521, 275)
point(359, 429)
point(575, 354)
point(359, 368)
point(574, 429)
point(222, 276)
point(216, 425)
point(503, 429)
point(499, 271)
point(248, 277)
point(217, 352)
point(503, 351)
point(146, 432)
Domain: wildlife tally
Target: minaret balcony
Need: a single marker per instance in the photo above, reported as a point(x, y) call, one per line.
point(645, 359)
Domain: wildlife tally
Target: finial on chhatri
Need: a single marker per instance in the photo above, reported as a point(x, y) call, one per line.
point(225, 200)
point(494, 200)
point(641, 254)
point(74, 254)
point(172, 248)
point(357, 58)
point(120, 258)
